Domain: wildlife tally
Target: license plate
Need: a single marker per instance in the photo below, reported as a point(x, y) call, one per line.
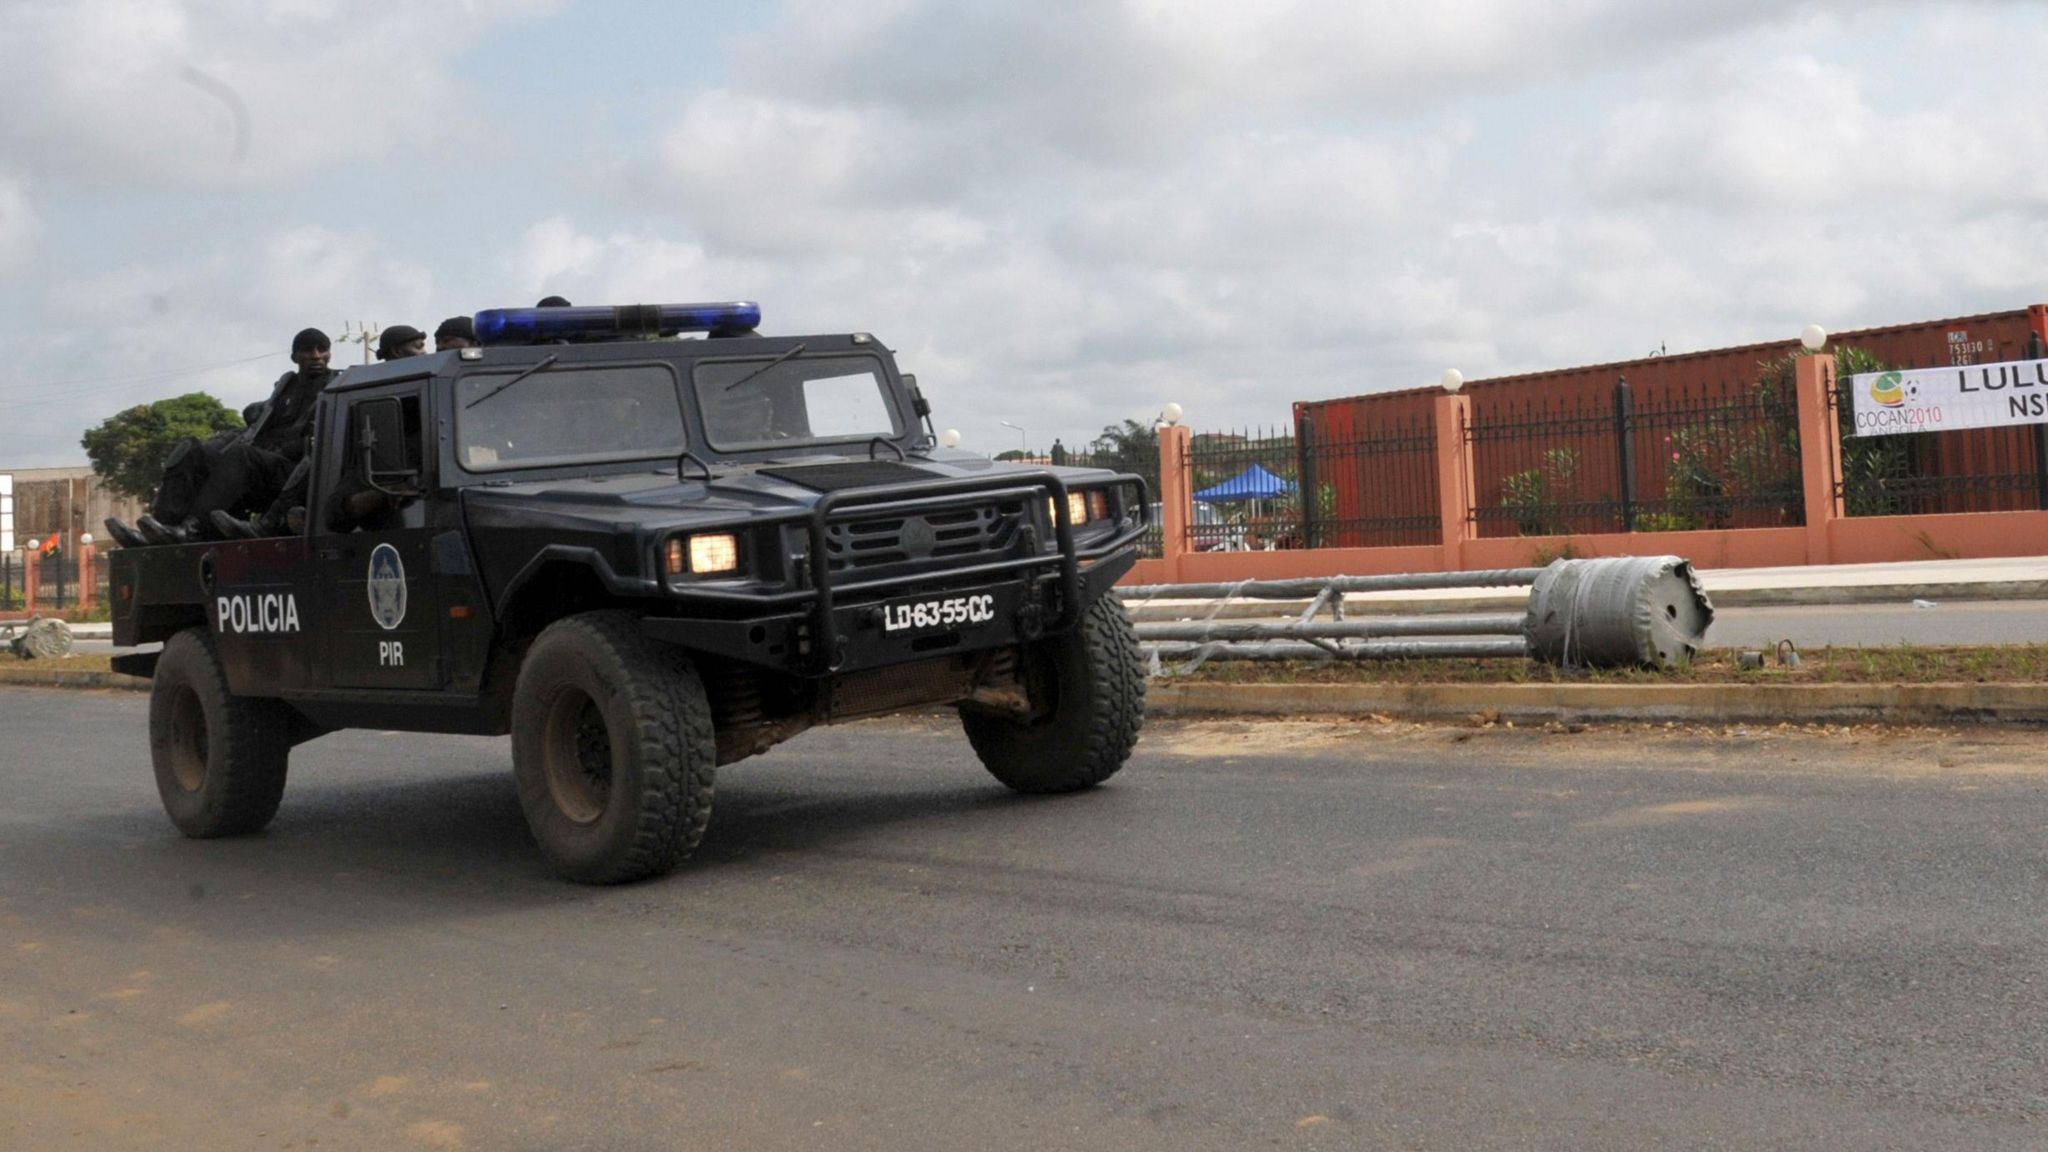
point(940, 613)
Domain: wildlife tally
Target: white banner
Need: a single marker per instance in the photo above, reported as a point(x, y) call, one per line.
point(1943, 399)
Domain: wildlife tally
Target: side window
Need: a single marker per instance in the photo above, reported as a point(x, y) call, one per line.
point(383, 465)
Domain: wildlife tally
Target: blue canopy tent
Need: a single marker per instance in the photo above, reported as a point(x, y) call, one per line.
point(1254, 483)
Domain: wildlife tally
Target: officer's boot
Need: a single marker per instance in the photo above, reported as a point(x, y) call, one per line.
point(157, 532)
point(125, 535)
point(232, 528)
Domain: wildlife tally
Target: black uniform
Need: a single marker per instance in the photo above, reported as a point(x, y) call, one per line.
point(246, 469)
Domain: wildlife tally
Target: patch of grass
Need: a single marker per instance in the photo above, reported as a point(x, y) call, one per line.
point(1904, 664)
point(77, 662)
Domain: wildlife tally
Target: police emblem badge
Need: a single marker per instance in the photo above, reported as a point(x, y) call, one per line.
point(387, 587)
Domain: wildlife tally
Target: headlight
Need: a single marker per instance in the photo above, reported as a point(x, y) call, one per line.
point(1077, 509)
point(1098, 504)
point(705, 554)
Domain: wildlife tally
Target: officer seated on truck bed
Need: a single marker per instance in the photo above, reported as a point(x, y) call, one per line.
point(287, 512)
point(241, 469)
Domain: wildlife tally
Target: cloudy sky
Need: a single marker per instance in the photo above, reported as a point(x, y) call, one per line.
point(1059, 215)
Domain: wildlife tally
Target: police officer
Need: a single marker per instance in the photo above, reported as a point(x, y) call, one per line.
point(455, 332)
point(240, 469)
point(400, 341)
point(287, 502)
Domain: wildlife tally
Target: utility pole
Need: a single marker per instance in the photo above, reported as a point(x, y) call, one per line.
point(359, 332)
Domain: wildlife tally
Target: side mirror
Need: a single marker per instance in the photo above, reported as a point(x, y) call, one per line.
point(918, 403)
point(380, 437)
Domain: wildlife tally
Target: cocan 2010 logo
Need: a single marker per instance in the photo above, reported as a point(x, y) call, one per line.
point(1889, 390)
point(387, 587)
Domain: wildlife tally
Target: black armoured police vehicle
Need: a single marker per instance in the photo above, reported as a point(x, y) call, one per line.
point(643, 557)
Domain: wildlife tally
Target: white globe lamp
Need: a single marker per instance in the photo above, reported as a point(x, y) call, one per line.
point(1451, 381)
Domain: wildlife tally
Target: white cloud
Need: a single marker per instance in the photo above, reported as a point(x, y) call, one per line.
point(1795, 132)
point(554, 257)
point(1061, 217)
point(1115, 81)
point(19, 224)
point(770, 175)
point(126, 337)
point(143, 92)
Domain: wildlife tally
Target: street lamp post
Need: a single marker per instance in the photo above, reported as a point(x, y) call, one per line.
point(1020, 436)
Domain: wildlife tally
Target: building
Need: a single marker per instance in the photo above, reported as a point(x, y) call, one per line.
point(71, 501)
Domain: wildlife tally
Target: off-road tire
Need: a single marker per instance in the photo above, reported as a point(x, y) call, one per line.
point(220, 759)
point(597, 699)
point(1095, 678)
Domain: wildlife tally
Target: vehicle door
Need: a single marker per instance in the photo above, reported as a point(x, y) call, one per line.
point(370, 535)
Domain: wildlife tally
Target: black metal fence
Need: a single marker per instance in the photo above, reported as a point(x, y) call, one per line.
point(1712, 456)
point(1266, 490)
point(1372, 488)
point(57, 581)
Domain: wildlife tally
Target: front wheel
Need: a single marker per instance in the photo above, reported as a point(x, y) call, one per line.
point(612, 748)
point(1088, 696)
point(220, 758)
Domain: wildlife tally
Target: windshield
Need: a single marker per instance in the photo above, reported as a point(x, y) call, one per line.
point(567, 416)
point(766, 403)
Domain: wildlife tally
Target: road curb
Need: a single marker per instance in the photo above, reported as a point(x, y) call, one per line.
point(1493, 601)
point(31, 676)
point(1708, 703)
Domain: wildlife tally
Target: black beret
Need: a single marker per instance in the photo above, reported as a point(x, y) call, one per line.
point(396, 337)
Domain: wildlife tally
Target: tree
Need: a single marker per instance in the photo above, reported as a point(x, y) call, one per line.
point(1013, 454)
point(128, 448)
point(1129, 447)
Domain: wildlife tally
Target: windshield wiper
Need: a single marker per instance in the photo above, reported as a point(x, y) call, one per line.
point(763, 368)
point(507, 384)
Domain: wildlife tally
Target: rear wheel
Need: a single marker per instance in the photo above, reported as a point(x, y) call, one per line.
point(613, 749)
point(220, 759)
point(1088, 692)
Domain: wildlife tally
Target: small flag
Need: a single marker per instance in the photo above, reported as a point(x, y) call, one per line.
point(55, 541)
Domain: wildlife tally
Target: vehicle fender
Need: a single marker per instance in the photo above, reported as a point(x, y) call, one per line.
point(557, 556)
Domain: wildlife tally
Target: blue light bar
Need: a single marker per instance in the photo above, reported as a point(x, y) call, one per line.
point(533, 325)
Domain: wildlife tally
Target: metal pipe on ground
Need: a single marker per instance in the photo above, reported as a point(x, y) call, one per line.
point(1369, 650)
point(1307, 587)
point(1466, 624)
point(1628, 611)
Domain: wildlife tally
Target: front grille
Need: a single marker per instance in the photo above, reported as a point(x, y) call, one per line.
point(946, 534)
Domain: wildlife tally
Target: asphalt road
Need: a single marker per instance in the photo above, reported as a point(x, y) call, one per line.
point(1298, 936)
